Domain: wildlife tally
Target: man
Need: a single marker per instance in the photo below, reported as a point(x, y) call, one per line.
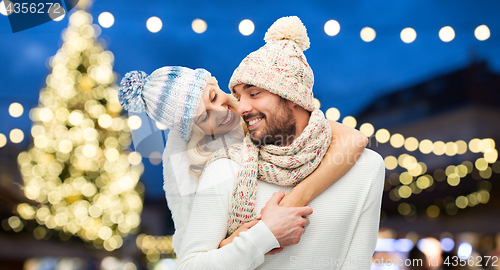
point(274, 87)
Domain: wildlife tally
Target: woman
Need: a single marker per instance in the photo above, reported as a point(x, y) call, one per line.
point(202, 119)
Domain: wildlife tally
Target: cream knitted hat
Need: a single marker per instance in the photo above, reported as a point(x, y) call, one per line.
point(170, 95)
point(280, 66)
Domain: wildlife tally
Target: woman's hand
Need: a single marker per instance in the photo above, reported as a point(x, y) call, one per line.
point(293, 199)
point(243, 228)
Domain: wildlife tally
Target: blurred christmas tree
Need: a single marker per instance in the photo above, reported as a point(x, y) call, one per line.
point(78, 169)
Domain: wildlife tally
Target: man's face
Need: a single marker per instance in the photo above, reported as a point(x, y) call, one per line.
point(269, 117)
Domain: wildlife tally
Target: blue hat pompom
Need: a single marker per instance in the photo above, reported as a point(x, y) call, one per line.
point(130, 93)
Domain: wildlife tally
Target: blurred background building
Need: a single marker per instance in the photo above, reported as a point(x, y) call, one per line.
point(421, 79)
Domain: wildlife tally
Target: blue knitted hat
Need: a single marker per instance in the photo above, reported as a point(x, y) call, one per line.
point(170, 96)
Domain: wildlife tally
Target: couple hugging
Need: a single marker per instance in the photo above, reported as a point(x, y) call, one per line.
point(248, 176)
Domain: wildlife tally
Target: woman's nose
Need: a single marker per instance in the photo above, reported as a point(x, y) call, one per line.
point(224, 99)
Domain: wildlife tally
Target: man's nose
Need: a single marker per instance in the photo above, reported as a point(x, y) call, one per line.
point(244, 107)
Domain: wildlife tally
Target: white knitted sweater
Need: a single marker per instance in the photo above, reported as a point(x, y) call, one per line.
point(342, 233)
point(178, 184)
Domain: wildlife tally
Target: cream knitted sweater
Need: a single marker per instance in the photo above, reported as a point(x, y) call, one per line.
point(342, 233)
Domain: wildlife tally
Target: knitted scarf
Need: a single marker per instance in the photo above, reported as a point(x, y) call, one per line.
point(280, 165)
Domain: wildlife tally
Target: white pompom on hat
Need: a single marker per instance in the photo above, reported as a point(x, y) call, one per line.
point(280, 66)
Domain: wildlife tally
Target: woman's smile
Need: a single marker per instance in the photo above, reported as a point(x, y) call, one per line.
point(228, 119)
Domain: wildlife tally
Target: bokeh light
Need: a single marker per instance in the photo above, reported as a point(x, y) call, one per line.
point(491, 155)
point(134, 122)
point(411, 144)
point(382, 135)
point(349, 121)
point(56, 13)
point(333, 114)
point(199, 26)
point(134, 158)
point(438, 148)
point(451, 148)
point(368, 34)
point(16, 135)
point(482, 32)
point(16, 109)
point(481, 164)
point(433, 211)
point(447, 244)
point(332, 27)
point(405, 178)
point(390, 162)
point(367, 129)
point(404, 192)
point(132, 266)
point(426, 146)
point(106, 19)
point(464, 251)
point(317, 104)
point(461, 147)
point(154, 24)
point(3, 10)
point(408, 35)
point(160, 126)
point(3, 140)
point(75, 118)
point(446, 34)
point(475, 145)
point(403, 245)
point(246, 27)
point(404, 209)
point(431, 247)
point(453, 179)
point(424, 181)
point(488, 143)
point(461, 202)
point(397, 140)
point(105, 121)
point(155, 158)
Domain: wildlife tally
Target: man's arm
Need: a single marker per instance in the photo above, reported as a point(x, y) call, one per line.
point(208, 226)
point(366, 233)
point(286, 224)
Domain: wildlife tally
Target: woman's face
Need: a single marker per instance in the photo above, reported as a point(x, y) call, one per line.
point(215, 115)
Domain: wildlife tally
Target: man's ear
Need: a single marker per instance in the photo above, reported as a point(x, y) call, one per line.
point(291, 104)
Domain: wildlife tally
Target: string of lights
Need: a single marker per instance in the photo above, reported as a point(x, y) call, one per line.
point(332, 28)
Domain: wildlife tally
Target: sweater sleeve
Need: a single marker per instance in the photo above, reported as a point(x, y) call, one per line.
point(359, 255)
point(208, 226)
point(179, 186)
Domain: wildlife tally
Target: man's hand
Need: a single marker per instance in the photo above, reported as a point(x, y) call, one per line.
point(286, 223)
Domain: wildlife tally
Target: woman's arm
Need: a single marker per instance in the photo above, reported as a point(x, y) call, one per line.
point(207, 227)
point(243, 228)
point(345, 149)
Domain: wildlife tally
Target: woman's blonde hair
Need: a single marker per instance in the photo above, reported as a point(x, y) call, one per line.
point(198, 152)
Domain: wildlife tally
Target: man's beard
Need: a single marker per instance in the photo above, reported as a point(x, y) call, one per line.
point(280, 127)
